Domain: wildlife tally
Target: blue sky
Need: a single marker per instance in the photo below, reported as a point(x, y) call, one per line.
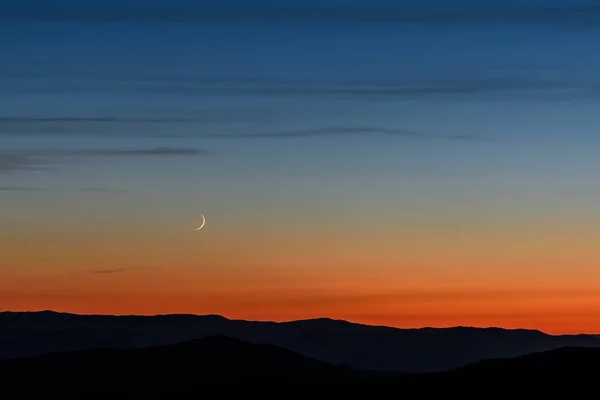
point(458, 104)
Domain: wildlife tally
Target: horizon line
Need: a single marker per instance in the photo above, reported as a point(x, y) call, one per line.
point(300, 320)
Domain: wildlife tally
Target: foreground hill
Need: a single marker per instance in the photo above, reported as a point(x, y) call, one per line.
point(335, 342)
point(567, 362)
point(214, 359)
point(188, 367)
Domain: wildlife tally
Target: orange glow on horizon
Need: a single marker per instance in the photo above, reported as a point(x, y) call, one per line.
point(387, 276)
point(114, 292)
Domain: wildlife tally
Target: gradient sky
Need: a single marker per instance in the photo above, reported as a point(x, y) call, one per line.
point(372, 161)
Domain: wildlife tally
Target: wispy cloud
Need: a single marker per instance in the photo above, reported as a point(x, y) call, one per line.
point(154, 151)
point(20, 189)
point(281, 12)
point(39, 189)
point(17, 162)
point(120, 126)
point(35, 159)
point(108, 271)
point(158, 151)
point(326, 131)
point(9, 162)
point(136, 268)
point(443, 86)
point(206, 116)
point(99, 190)
point(343, 131)
point(87, 119)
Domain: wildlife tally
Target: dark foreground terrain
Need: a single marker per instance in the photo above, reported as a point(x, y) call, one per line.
point(215, 359)
point(364, 347)
point(190, 366)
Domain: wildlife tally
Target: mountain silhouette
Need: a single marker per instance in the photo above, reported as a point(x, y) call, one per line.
point(215, 359)
point(369, 348)
point(190, 366)
point(564, 362)
point(570, 368)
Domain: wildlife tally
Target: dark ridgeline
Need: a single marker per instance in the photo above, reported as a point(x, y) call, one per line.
point(369, 348)
point(191, 366)
point(215, 359)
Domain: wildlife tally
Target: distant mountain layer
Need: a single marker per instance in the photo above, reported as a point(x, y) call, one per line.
point(335, 342)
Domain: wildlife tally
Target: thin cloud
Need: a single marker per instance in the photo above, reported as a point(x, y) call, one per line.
point(18, 162)
point(39, 189)
point(19, 189)
point(344, 132)
point(480, 82)
point(99, 189)
point(158, 151)
point(511, 86)
point(446, 88)
point(55, 119)
point(119, 126)
point(117, 270)
point(154, 151)
point(94, 190)
point(187, 13)
point(27, 120)
point(327, 131)
point(108, 271)
point(25, 160)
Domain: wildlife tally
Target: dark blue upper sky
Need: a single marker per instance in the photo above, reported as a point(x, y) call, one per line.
point(496, 95)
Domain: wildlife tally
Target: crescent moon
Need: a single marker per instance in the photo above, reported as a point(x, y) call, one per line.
point(201, 225)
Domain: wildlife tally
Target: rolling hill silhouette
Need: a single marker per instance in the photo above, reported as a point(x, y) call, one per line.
point(566, 362)
point(215, 359)
point(364, 347)
point(568, 369)
point(190, 366)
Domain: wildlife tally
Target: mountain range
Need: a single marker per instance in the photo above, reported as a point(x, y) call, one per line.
point(190, 366)
point(377, 349)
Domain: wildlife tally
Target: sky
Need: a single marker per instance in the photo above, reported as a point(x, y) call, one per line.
point(384, 162)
